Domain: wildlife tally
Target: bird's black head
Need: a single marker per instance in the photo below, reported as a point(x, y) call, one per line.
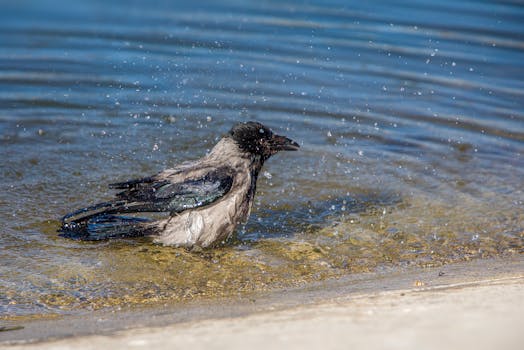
point(260, 140)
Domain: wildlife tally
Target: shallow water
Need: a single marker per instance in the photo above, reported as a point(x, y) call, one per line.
point(410, 117)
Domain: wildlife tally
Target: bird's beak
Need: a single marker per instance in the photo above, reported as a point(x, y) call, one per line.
point(282, 143)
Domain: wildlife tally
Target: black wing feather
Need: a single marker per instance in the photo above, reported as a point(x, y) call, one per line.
point(155, 195)
point(132, 183)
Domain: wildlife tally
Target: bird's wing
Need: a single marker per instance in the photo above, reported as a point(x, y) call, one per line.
point(161, 194)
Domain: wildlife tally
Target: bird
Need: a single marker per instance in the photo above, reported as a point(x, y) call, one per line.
point(204, 199)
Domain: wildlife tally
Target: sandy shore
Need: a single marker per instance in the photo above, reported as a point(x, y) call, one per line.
point(478, 305)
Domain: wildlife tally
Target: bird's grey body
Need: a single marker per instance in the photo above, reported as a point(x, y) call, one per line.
point(211, 224)
point(206, 199)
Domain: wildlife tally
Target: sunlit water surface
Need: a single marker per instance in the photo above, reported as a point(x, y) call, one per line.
point(410, 116)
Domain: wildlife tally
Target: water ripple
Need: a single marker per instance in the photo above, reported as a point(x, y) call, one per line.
point(410, 116)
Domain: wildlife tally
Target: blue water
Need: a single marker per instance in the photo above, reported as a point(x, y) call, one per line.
point(410, 115)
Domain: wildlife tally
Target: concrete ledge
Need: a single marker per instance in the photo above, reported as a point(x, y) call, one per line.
point(483, 311)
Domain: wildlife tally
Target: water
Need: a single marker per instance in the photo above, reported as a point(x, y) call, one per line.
point(410, 116)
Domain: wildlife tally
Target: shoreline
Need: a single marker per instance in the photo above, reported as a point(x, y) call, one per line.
point(429, 298)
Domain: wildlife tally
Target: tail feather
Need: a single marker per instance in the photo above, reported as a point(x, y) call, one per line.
point(104, 227)
point(88, 212)
point(99, 222)
point(108, 208)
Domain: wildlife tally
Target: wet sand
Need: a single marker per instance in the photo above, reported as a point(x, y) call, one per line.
point(478, 305)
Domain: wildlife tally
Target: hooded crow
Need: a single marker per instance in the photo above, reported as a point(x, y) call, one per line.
point(205, 199)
